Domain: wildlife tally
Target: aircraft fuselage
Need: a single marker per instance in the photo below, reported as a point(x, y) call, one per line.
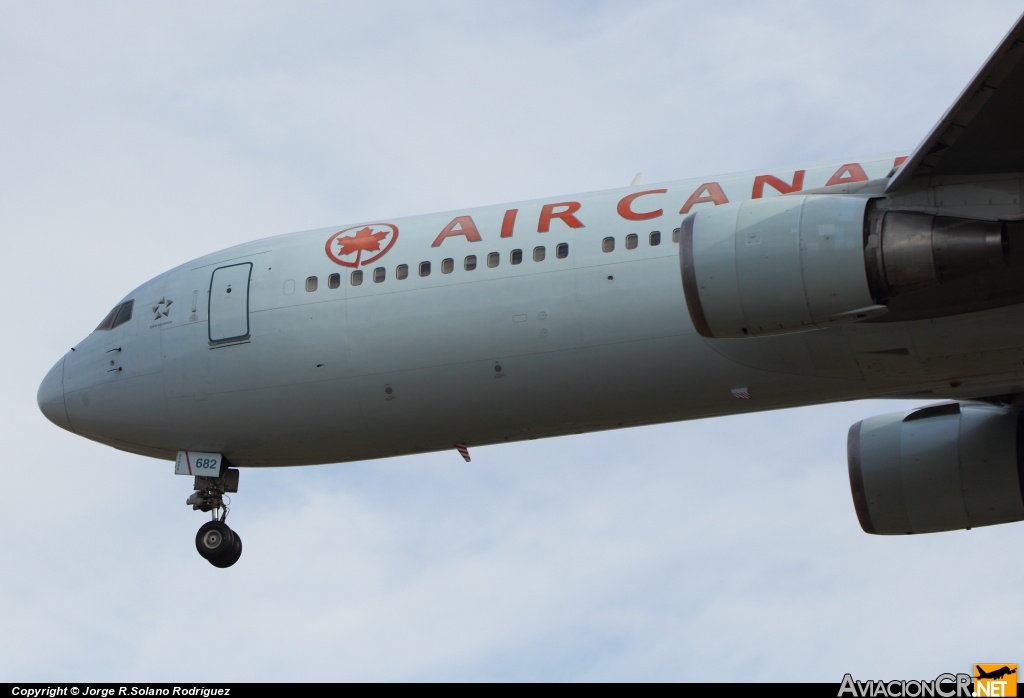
point(529, 323)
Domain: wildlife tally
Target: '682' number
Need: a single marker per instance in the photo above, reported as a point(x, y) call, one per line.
point(206, 464)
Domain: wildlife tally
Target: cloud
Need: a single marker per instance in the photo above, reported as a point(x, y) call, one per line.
point(136, 137)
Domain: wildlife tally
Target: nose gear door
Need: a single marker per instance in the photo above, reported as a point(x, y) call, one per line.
point(229, 303)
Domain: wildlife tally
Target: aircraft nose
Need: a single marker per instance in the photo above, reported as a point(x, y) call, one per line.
point(51, 397)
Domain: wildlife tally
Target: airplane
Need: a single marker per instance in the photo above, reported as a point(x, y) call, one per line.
point(896, 276)
point(995, 674)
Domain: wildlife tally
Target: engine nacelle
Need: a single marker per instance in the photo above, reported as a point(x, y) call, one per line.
point(771, 266)
point(800, 262)
point(941, 468)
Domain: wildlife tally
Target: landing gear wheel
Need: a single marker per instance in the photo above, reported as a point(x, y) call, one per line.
point(215, 541)
point(231, 557)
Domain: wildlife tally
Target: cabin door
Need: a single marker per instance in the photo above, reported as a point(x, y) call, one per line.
point(229, 303)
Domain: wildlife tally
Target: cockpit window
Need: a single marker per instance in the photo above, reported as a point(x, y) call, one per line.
point(108, 321)
point(118, 316)
point(124, 314)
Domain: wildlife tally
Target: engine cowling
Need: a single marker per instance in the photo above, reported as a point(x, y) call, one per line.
point(800, 262)
point(941, 468)
point(771, 266)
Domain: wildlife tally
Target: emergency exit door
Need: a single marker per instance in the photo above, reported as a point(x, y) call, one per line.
point(229, 303)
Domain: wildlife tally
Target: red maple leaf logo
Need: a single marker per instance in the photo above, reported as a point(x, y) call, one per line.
point(365, 240)
point(355, 241)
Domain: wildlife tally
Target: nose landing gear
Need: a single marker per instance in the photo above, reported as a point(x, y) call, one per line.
point(215, 541)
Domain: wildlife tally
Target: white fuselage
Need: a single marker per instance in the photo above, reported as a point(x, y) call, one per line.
point(596, 339)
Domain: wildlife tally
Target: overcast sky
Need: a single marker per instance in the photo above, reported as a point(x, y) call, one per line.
point(137, 136)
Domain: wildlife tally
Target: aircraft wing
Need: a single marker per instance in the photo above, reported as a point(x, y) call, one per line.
point(982, 132)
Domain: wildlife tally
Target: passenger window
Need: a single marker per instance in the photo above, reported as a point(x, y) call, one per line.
point(311, 283)
point(675, 235)
point(357, 277)
point(516, 257)
point(334, 281)
point(424, 268)
point(538, 254)
point(470, 263)
point(632, 241)
point(447, 266)
point(562, 251)
point(378, 275)
point(655, 238)
point(493, 259)
point(124, 314)
point(402, 271)
point(608, 245)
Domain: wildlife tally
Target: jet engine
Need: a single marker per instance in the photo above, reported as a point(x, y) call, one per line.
point(940, 468)
point(800, 262)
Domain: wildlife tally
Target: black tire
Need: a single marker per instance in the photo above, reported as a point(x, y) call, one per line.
point(215, 540)
point(232, 557)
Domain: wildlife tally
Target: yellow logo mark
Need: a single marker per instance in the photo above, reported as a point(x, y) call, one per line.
point(995, 680)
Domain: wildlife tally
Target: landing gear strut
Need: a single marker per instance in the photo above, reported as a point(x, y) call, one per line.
point(217, 543)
